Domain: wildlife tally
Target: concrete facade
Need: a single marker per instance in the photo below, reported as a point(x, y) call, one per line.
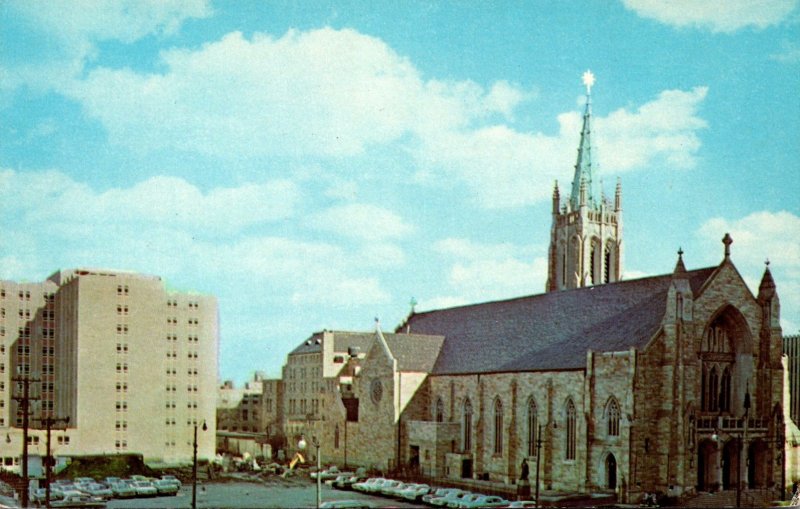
point(125, 359)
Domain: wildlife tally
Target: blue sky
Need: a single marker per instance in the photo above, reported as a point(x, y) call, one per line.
point(316, 165)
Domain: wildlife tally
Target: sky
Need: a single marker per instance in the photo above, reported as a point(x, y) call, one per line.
point(317, 165)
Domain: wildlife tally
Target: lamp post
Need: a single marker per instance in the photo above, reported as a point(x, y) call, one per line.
point(302, 444)
point(538, 460)
point(194, 465)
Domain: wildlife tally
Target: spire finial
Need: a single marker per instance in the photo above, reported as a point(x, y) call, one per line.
point(588, 80)
point(680, 253)
point(727, 240)
point(413, 304)
point(766, 262)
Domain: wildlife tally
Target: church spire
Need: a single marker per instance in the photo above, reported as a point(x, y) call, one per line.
point(583, 167)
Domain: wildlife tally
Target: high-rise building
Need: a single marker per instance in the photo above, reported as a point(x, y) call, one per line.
point(133, 365)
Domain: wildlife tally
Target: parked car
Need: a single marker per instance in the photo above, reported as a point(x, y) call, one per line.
point(484, 501)
point(78, 501)
point(166, 487)
point(328, 471)
point(39, 495)
point(463, 501)
point(97, 490)
point(347, 484)
point(438, 492)
point(144, 489)
point(111, 480)
point(339, 478)
point(171, 478)
point(122, 489)
point(522, 503)
point(414, 492)
point(79, 480)
point(389, 488)
point(369, 484)
point(452, 495)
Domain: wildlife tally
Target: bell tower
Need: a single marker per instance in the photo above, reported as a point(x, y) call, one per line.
point(586, 235)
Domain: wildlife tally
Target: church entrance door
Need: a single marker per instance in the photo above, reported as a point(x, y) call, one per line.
point(730, 462)
point(706, 474)
point(611, 472)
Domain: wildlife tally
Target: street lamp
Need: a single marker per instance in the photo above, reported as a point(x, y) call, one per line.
point(302, 444)
point(194, 465)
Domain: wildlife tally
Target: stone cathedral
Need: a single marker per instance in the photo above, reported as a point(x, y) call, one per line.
point(671, 383)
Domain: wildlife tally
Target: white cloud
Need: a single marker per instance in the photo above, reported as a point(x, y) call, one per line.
point(482, 272)
point(338, 93)
point(757, 237)
point(361, 221)
point(52, 198)
point(69, 31)
point(665, 129)
point(789, 53)
point(726, 17)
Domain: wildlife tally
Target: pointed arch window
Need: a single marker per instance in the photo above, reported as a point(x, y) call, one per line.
point(498, 426)
point(712, 391)
point(439, 410)
point(725, 390)
point(612, 418)
point(336, 437)
point(571, 437)
point(533, 427)
point(466, 426)
point(607, 265)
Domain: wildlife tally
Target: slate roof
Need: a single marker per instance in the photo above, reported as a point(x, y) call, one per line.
point(550, 331)
point(414, 352)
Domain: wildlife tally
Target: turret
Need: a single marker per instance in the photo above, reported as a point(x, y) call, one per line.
point(556, 199)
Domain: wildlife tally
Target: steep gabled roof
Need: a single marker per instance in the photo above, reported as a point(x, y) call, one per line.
point(549, 331)
point(414, 352)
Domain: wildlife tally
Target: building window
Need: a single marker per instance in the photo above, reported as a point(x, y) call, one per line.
point(533, 427)
point(466, 426)
point(439, 411)
point(725, 391)
point(571, 431)
point(498, 426)
point(612, 416)
point(336, 437)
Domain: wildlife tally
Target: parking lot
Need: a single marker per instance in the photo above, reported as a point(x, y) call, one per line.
point(253, 495)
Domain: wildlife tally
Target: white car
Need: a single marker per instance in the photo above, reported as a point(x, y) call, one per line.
point(390, 487)
point(484, 501)
point(413, 491)
point(370, 484)
point(451, 495)
point(144, 489)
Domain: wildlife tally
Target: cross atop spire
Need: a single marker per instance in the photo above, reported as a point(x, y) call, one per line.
point(583, 167)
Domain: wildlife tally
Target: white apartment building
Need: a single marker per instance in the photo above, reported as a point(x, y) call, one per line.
point(133, 365)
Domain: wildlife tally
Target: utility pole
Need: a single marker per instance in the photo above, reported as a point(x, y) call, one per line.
point(48, 459)
point(25, 401)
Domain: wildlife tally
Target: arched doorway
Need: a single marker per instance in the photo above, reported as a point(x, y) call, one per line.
point(730, 464)
point(706, 466)
point(757, 465)
point(611, 472)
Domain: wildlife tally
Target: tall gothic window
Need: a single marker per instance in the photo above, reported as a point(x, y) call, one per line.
point(593, 264)
point(571, 431)
point(439, 411)
point(607, 265)
point(712, 391)
point(612, 418)
point(498, 426)
point(336, 437)
point(466, 426)
point(533, 427)
point(725, 390)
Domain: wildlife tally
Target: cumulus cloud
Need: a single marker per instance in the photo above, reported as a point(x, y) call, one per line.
point(664, 129)
point(328, 94)
point(728, 17)
point(52, 198)
point(361, 221)
point(67, 31)
point(481, 272)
